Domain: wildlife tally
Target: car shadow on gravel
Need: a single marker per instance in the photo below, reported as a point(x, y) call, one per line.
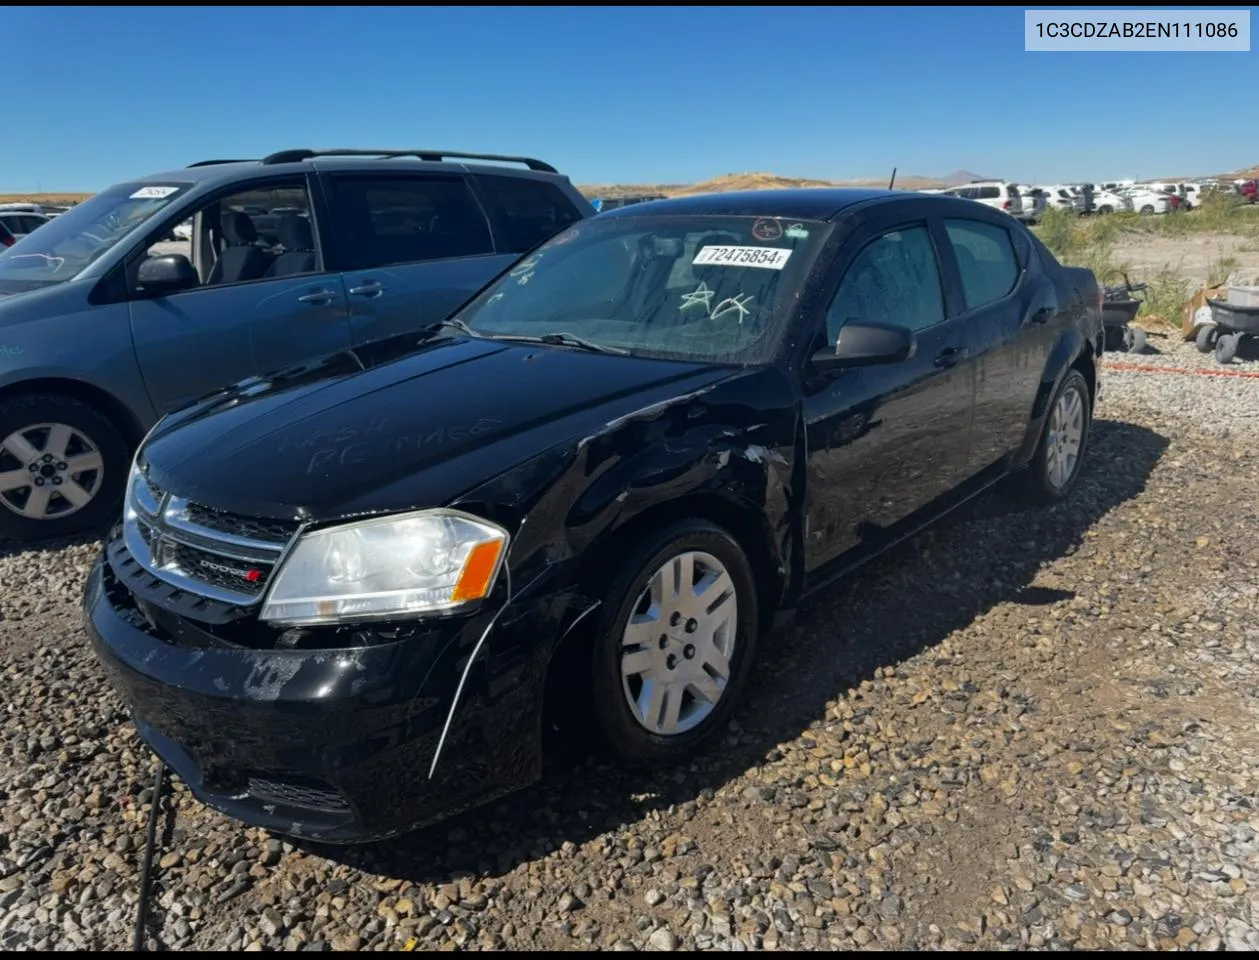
point(904, 603)
point(12, 548)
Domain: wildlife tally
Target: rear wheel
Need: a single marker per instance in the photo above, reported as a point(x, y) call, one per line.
point(1134, 339)
point(1056, 464)
point(1205, 340)
point(62, 468)
point(675, 643)
point(1147, 210)
point(1105, 208)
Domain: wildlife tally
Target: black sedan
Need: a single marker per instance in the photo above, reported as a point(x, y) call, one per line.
point(344, 600)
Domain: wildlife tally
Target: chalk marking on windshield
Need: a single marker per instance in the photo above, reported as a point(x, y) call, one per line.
point(527, 267)
point(700, 296)
point(736, 304)
point(768, 258)
point(494, 299)
point(7, 351)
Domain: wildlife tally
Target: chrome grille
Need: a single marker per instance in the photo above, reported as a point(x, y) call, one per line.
point(206, 552)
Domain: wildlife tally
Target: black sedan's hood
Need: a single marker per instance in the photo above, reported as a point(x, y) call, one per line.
point(316, 442)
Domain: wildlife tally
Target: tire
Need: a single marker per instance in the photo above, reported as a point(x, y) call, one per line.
point(1105, 208)
point(93, 439)
point(1134, 340)
point(619, 723)
point(1147, 210)
point(1205, 340)
point(1041, 481)
point(1226, 347)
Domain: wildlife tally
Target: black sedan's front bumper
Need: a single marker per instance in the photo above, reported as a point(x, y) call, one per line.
point(332, 745)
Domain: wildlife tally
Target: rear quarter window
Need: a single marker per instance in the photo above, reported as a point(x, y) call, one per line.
point(526, 211)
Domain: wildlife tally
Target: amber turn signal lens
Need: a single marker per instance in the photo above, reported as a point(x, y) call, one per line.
point(478, 572)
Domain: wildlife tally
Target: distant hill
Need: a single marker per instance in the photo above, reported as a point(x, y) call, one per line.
point(745, 181)
point(959, 177)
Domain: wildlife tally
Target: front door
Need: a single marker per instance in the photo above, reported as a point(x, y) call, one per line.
point(884, 441)
point(264, 302)
point(414, 247)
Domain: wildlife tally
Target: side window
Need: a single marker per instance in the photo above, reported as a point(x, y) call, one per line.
point(262, 233)
point(527, 211)
point(985, 259)
point(31, 223)
point(989, 193)
point(893, 280)
point(409, 220)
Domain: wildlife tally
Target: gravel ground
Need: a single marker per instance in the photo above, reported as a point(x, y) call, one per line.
point(1023, 729)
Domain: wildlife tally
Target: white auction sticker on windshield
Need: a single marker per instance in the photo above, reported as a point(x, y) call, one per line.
point(770, 258)
point(154, 193)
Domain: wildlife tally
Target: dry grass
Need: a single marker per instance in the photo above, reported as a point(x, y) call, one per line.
point(54, 199)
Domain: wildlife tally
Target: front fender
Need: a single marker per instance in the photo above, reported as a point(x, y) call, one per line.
point(571, 507)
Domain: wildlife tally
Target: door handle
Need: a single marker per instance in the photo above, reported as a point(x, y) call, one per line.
point(371, 288)
point(950, 357)
point(318, 297)
point(1042, 315)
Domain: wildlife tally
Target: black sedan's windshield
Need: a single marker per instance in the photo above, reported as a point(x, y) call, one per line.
point(712, 288)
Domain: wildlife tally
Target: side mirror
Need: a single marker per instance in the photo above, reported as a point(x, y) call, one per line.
point(171, 273)
point(867, 344)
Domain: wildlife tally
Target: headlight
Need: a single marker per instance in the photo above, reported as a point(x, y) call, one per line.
point(417, 563)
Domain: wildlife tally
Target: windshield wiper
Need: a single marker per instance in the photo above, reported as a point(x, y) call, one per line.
point(560, 339)
point(453, 323)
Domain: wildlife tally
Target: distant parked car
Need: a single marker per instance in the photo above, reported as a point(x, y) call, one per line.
point(1249, 190)
point(114, 329)
point(997, 194)
point(21, 224)
point(1033, 203)
point(1108, 201)
point(1147, 202)
point(1060, 198)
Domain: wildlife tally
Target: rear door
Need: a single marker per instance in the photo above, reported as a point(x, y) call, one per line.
point(267, 305)
point(1009, 310)
point(413, 247)
point(884, 441)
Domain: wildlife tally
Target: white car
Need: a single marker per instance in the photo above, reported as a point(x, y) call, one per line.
point(998, 194)
point(1146, 201)
point(1061, 198)
point(1033, 203)
point(1109, 201)
point(20, 223)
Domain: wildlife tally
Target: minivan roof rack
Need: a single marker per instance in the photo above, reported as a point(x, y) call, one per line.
point(436, 156)
point(210, 163)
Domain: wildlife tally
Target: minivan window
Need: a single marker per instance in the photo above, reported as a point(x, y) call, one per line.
point(705, 288)
point(409, 220)
point(526, 212)
point(985, 259)
point(63, 247)
point(988, 193)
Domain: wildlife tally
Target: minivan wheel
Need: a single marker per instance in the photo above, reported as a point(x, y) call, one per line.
point(675, 643)
point(1064, 440)
point(62, 467)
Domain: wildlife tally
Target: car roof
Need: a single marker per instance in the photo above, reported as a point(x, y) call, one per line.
point(802, 203)
point(229, 170)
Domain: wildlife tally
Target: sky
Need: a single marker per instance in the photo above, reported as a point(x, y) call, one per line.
point(97, 95)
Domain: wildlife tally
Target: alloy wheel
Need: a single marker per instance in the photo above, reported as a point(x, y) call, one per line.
point(49, 471)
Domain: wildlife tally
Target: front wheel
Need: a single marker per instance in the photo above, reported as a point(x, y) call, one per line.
point(1134, 340)
point(63, 466)
point(1105, 208)
point(1056, 464)
point(1205, 340)
point(675, 643)
point(1147, 210)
